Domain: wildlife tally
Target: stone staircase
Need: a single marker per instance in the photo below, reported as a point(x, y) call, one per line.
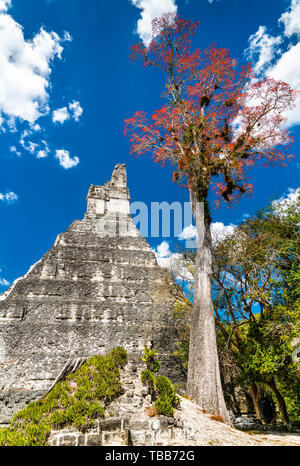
point(128, 420)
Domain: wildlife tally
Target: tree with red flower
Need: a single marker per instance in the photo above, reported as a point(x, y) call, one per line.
point(218, 120)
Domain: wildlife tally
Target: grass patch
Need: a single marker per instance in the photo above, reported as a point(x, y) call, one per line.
point(75, 401)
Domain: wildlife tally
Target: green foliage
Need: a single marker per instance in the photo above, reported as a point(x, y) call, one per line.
point(148, 379)
point(76, 401)
point(256, 294)
point(181, 314)
point(289, 388)
point(164, 407)
point(168, 399)
point(150, 360)
point(257, 298)
point(33, 435)
point(162, 388)
point(182, 351)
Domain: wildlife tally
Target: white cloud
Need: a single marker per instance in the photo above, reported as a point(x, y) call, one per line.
point(76, 110)
point(14, 150)
point(25, 68)
point(263, 48)
point(40, 149)
point(164, 256)
point(62, 114)
point(175, 262)
point(151, 9)
point(288, 199)
point(9, 197)
point(65, 160)
point(5, 5)
point(219, 231)
point(172, 261)
point(188, 233)
point(43, 153)
point(67, 37)
point(287, 69)
point(27, 145)
point(36, 127)
point(163, 250)
point(245, 217)
point(293, 194)
point(291, 19)
point(4, 282)
point(278, 63)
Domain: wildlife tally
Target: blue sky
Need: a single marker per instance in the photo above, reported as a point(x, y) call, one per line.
point(67, 84)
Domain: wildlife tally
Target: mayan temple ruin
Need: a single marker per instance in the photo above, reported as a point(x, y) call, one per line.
point(95, 289)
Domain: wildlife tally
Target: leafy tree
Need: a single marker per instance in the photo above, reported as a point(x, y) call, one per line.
point(217, 121)
point(256, 294)
point(256, 298)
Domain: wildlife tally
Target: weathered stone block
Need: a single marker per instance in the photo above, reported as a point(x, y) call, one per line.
point(81, 439)
point(138, 425)
point(93, 440)
point(110, 424)
point(115, 438)
point(69, 440)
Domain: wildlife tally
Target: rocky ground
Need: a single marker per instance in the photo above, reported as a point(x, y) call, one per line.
point(208, 431)
point(191, 426)
point(280, 439)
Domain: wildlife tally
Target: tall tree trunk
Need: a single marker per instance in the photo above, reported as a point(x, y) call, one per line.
point(255, 394)
point(203, 380)
point(280, 399)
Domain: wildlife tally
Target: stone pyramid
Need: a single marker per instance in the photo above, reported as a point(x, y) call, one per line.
point(95, 289)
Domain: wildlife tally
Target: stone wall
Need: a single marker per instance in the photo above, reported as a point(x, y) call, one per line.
point(95, 289)
point(126, 432)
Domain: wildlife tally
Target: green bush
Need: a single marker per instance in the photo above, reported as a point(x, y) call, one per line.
point(168, 399)
point(152, 363)
point(164, 407)
point(148, 379)
point(76, 401)
point(161, 387)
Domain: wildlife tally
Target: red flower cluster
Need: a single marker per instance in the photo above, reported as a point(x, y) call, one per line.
point(217, 120)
